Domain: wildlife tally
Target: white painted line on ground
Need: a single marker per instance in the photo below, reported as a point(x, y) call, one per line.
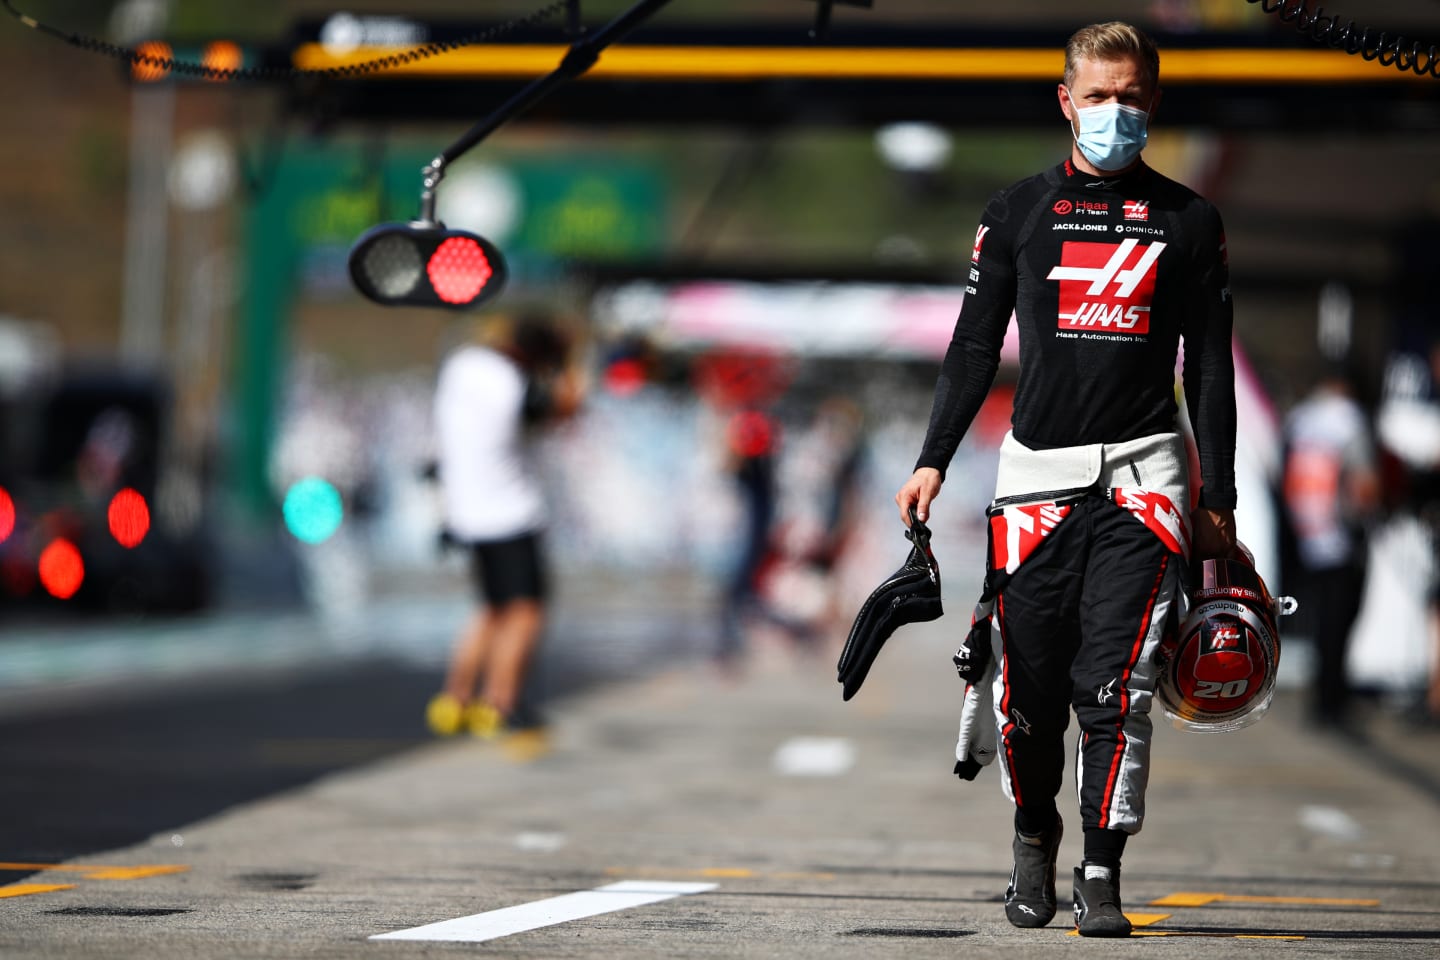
point(814, 757)
point(547, 913)
point(1330, 822)
point(539, 841)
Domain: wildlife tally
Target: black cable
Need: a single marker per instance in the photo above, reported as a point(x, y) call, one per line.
point(138, 58)
point(1368, 44)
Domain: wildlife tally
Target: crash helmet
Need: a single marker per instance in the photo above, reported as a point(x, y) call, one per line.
point(1216, 673)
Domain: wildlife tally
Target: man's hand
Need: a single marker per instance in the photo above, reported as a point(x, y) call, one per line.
point(1213, 534)
point(922, 487)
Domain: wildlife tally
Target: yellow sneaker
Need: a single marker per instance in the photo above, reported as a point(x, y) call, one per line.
point(484, 721)
point(444, 715)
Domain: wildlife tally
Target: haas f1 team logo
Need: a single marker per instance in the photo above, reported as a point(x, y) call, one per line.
point(1107, 286)
point(979, 242)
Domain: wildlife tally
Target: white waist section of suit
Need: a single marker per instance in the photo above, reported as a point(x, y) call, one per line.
point(1157, 463)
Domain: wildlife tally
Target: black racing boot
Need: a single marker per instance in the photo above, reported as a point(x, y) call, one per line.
point(1097, 902)
point(1030, 898)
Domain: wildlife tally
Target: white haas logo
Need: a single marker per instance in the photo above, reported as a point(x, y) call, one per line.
point(979, 242)
point(1017, 531)
point(1087, 273)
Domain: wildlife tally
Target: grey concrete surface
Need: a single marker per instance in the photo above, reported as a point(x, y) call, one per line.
point(875, 851)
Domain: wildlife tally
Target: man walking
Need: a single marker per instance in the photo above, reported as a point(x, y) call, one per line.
point(1107, 266)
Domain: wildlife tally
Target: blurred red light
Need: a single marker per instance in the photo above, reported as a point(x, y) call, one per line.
point(129, 518)
point(458, 270)
point(751, 434)
point(7, 515)
point(61, 569)
point(741, 377)
point(624, 377)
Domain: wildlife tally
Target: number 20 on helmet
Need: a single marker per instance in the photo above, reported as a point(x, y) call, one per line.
point(1217, 672)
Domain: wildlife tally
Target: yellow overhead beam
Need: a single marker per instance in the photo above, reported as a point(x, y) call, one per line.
point(656, 62)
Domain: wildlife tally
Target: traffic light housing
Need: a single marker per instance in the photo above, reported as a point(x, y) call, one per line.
point(426, 265)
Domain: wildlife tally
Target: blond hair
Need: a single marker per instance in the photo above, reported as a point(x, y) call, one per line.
point(1112, 41)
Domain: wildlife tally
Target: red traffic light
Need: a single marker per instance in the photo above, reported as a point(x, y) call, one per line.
point(425, 265)
point(129, 517)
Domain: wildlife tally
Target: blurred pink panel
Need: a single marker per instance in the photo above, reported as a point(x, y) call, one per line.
point(706, 311)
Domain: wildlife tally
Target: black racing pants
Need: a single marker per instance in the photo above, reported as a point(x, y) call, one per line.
point(1080, 620)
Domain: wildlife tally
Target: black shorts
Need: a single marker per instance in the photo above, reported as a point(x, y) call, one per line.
point(506, 570)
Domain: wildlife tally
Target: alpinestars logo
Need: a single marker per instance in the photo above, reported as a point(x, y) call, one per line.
point(1018, 723)
point(1103, 695)
point(1107, 285)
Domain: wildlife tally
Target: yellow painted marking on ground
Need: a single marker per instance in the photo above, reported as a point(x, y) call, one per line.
point(26, 889)
point(95, 871)
point(135, 873)
point(733, 872)
point(1137, 920)
point(1222, 935)
point(1268, 936)
point(1205, 899)
point(1141, 920)
point(525, 746)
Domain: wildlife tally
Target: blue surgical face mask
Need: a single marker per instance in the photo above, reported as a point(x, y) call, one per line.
point(1111, 135)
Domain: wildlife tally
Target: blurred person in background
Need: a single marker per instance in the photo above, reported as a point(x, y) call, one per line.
point(1408, 419)
point(752, 440)
point(836, 444)
point(742, 386)
point(1106, 266)
point(491, 398)
point(821, 484)
point(1331, 486)
point(1408, 425)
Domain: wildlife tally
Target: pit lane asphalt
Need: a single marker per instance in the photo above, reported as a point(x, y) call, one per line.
point(826, 828)
point(111, 731)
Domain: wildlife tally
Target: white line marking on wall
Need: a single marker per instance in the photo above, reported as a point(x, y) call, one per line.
point(546, 913)
point(814, 757)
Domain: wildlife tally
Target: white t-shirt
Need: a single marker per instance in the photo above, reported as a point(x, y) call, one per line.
point(1329, 436)
point(489, 486)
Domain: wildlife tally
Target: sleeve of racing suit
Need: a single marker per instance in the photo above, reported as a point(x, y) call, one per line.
point(973, 356)
point(1209, 366)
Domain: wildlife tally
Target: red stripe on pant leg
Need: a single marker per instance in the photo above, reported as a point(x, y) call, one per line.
point(1109, 794)
point(1005, 700)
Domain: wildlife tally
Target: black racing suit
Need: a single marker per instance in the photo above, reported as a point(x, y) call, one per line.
point(1105, 276)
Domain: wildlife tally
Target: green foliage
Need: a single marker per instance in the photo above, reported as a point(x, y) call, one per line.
point(220, 18)
point(100, 155)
